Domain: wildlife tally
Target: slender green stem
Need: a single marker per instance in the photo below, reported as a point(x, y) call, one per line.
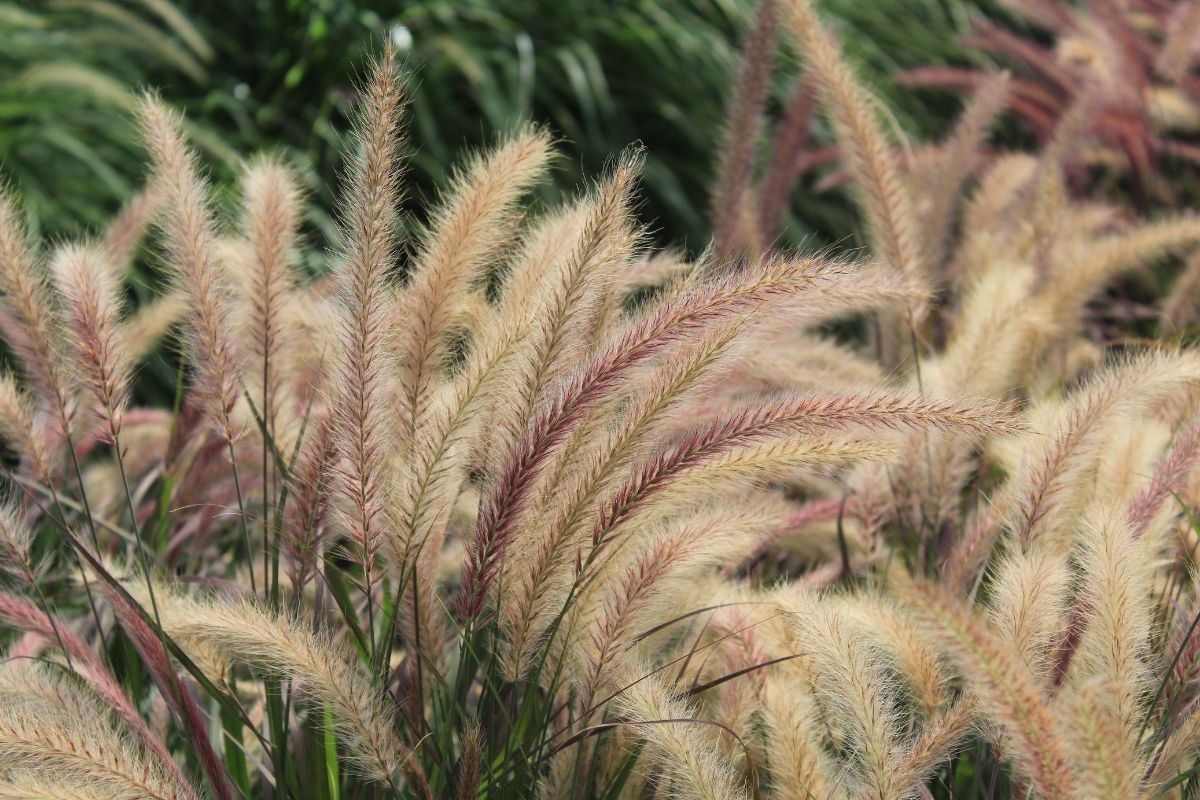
point(87, 512)
point(237, 487)
point(141, 545)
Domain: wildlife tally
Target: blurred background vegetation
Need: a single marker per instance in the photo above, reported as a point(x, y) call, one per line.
point(279, 74)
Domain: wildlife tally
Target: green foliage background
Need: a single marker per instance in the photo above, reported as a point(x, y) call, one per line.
point(271, 74)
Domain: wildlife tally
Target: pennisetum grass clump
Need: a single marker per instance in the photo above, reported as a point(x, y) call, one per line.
point(506, 505)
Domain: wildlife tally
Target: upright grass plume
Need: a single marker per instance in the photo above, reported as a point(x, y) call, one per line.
point(474, 221)
point(364, 425)
point(191, 241)
point(887, 207)
point(31, 322)
point(733, 216)
point(272, 211)
point(565, 306)
point(88, 283)
point(32, 330)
